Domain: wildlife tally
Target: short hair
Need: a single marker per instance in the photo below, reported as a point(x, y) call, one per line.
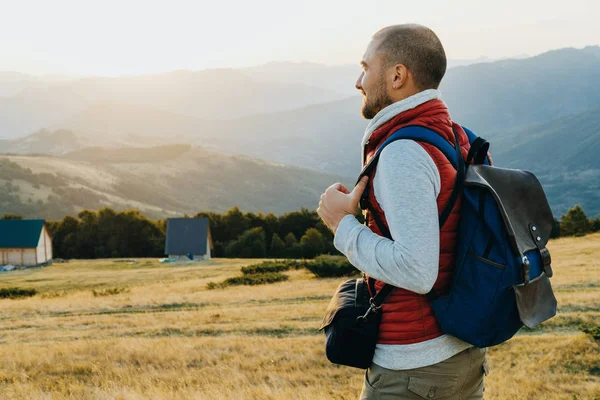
point(418, 48)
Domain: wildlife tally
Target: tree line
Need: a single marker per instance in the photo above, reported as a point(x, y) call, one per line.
point(107, 233)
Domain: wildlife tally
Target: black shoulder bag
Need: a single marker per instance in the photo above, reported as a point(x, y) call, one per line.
point(352, 318)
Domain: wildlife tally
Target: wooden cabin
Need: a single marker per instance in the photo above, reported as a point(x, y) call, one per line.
point(24, 242)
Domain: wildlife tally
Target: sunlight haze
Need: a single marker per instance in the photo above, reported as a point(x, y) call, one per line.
point(139, 37)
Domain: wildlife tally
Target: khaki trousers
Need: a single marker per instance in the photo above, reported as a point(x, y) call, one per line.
point(460, 377)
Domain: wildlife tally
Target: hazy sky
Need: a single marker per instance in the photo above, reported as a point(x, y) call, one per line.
point(134, 37)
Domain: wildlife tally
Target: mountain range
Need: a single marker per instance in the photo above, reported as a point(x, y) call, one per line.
point(306, 115)
point(160, 181)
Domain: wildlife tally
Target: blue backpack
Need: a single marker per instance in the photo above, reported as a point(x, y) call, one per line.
point(500, 280)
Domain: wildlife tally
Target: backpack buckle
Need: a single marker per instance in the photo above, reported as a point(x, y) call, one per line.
point(526, 265)
point(546, 260)
point(374, 306)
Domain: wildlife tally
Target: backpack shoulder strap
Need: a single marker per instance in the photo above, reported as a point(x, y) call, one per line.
point(420, 134)
point(426, 135)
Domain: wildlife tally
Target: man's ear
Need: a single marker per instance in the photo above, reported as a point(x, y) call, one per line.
point(400, 76)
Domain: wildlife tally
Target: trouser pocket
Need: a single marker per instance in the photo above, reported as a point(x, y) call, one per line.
point(432, 386)
point(372, 381)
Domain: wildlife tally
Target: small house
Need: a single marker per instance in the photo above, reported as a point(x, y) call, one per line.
point(24, 242)
point(188, 239)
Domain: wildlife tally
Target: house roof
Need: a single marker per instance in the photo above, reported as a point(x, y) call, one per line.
point(17, 233)
point(186, 236)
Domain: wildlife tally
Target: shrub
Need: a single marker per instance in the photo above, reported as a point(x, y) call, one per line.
point(297, 263)
point(326, 266)
point(273, 266)
point(16, 293)
point(250, 279)
point(55, 294)
point(110, 291)
point(592, 330)
point(215, 285)
point(266, 266)
point(257, 279)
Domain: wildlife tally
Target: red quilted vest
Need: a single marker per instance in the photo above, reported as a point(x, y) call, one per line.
point(407, 317)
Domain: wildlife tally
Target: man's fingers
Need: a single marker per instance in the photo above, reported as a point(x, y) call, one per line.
point(339, 187)
point(359, 188)
point(335, 186)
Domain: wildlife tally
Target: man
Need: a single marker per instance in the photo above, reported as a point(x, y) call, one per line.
point(402, 69)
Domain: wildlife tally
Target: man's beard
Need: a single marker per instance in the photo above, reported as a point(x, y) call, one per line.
point(376, 102)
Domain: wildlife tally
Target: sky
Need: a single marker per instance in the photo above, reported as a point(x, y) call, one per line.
point(128, 37)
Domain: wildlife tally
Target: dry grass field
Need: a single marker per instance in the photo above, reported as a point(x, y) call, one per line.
point(165, 336)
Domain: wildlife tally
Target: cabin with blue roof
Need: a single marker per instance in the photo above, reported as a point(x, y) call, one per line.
point(188, 239)
point(25, 242)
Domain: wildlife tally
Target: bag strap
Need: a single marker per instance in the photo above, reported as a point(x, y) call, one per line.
point(478, 151)
point(424, 135)
point(418, 133)
point(421, 134)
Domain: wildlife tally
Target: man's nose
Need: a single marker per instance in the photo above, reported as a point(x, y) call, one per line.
point(358, 85)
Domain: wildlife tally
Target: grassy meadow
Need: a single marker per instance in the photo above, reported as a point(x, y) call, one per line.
point(114, 330)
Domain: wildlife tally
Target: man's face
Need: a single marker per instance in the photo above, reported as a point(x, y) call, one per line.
point(372, 83)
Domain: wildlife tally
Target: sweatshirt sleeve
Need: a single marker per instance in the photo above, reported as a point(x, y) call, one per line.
point(406, 185)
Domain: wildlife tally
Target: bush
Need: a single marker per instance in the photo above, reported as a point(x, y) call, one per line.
point(256, 279)
point(326, 266)
point(592, 330)
point(273, 266)
point(110, 291)
point(250, 279)
point(16, 293)
point(297, 263)
point(266, 266)
point(215, 285)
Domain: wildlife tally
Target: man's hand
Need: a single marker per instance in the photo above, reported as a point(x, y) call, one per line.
point(337, 202)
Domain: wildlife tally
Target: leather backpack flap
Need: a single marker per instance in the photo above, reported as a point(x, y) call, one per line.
point(528, 220)
point(521, 201)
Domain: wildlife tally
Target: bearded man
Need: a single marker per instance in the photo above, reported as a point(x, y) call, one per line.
point(402, 69)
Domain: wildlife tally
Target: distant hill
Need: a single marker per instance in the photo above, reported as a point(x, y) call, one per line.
point(62, 141)
point(505, 94)
point(563, 153)
point(160, 181)
point(337, 78)
point(325, 136)
point(319, 136)
point(44, 142)
point(118, 119)
point(209, 94)
point(12, 83)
